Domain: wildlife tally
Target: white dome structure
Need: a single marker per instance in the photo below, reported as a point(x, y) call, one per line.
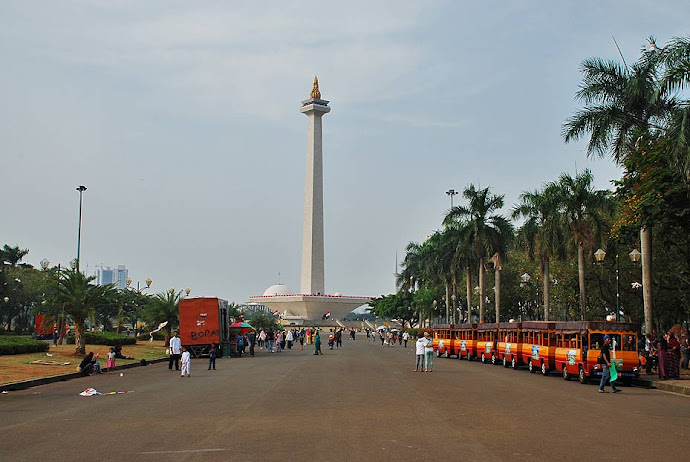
point(277, 289)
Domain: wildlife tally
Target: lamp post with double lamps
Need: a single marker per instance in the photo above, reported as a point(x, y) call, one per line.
point(634, 255)
point(138, 291)
point(451, 193)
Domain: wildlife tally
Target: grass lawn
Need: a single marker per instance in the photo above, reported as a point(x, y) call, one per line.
point(15, 368)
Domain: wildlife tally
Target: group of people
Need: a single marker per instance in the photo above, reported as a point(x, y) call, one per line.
point(277, 341)
point(663, 352)
point(90, 364)
point(390, 337)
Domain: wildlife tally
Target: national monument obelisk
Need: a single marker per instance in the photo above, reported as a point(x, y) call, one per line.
point(312, 232)
point(312, 302)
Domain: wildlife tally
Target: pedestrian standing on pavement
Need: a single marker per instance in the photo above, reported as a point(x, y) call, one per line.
point(252, 342)
point(175, 345)
point(317, 344)
point(604, 360)
point(185, 362)
point(262, 338)
point(308, 336)
point(428, 353)
point(301, 339)
point(290, 337)
point(212, 353)
point(339, 338)
point(686, 353)
point(279, 341)
point(419, 350)
point(405, 337)
point(269, 340)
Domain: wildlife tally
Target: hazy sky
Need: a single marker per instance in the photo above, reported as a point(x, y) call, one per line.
point(182, 119)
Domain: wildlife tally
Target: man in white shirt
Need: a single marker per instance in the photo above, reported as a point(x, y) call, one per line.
point(428, 353)
point(405, 337)
point(419, 350)
point(175, 345)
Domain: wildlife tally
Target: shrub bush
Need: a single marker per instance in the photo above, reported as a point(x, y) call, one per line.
point(13, 345)
point(103, 338)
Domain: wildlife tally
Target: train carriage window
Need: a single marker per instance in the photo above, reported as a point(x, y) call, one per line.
point(596, 340)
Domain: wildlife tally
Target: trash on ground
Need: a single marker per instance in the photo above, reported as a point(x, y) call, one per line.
point(121, 374)
point(50, 363)
point(48, 354)
point(5, 393)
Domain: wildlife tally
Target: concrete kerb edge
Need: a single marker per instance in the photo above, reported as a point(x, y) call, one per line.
point(23, 385)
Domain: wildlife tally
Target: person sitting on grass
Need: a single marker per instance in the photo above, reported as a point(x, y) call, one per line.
point(118, 353)
point(90, 364)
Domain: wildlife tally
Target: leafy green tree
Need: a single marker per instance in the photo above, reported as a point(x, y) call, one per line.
point(585, 213)
point(259, 320)
point(541, 235)
point(489, 231)
point(12, 255)
point(162, 307)
point(80, 299)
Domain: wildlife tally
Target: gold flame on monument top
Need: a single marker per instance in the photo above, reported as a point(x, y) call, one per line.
point(315, 93)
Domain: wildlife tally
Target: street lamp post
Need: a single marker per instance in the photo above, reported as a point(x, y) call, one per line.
point(128, 281)
point(451, 193)
point(634, 255)
point(81, 189)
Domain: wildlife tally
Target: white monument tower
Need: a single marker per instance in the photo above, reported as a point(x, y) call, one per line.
point(312, 232)
point(312, 303)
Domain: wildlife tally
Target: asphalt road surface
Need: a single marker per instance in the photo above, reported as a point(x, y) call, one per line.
point(362, 402)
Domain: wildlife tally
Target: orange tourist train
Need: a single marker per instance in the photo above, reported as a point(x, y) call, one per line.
point(571, 348)
point(579, 344)
point(539, 346)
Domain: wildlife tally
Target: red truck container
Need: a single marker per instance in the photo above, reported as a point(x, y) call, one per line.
point(204, 321)
point(43, 331)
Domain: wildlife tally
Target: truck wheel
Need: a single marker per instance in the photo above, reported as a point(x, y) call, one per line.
point(530, 366)
point(544, 369)
point(493, 359)
point(582, 376)
point(566, 374)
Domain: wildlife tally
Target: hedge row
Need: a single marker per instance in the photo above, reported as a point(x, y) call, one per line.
point(160, 335)
point(104, 338)
point(12, 345)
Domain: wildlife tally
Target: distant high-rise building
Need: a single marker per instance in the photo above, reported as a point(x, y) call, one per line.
point(117, 276)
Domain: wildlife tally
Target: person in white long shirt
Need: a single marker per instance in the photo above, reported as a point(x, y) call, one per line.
point(428, 353)
point(175, 345)
point(419, 350)
point(186, 362)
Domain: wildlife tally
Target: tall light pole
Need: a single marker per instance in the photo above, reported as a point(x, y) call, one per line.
point(451, 193)
point(81, 189)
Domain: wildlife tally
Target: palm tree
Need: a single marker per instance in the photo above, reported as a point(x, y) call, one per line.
point(540, 235)
point(584, 213)
point(487, 230)
point(80, 299)
point(623, 104)
point(12, 255)
point(162, 307)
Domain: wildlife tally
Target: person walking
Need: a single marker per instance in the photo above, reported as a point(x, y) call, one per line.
point(289, 337)
point(405, 337)
point(175, 345)
point(339, 338)
point(262, 339)
point(428, 353)
point(212, 353)
point(308, 336)
point(317, 344)
point(279, 341)
point(604, 359)
point(419, 350)
point(185, 361)
point(301, 339)
point(269, 340)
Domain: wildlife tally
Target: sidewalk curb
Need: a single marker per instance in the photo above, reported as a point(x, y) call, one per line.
point(662, 385)
point(23, 385)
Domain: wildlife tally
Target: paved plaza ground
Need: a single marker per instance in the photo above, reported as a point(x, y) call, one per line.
point(363, 402)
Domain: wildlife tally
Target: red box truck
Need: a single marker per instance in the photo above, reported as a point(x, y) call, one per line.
point(203, 321)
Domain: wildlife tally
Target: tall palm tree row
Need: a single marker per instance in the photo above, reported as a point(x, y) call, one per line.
point(625, 104)
point(541, 236)
point(486, 231)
